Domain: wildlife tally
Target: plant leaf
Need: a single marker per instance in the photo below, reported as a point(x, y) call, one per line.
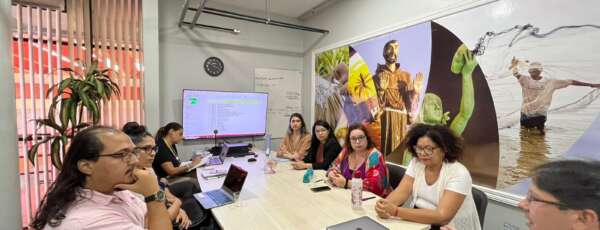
point(55, 152)
point(32, 153)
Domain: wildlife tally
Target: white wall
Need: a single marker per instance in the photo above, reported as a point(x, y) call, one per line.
point(183, 51)
point(353, 20)
point(151, 64)
point(10, 217)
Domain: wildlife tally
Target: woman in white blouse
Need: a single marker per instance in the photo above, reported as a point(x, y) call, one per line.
point(436, 188)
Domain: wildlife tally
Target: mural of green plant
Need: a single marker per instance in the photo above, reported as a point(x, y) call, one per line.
point(328, 60)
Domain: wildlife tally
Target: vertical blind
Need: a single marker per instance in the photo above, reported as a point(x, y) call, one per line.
point(45, 40)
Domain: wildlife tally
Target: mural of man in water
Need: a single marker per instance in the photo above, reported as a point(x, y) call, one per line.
point(395, 91)
point(537, 93)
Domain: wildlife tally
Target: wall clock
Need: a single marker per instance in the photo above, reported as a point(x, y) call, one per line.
point(214, 66)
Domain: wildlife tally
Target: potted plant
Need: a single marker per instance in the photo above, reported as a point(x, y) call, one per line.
point(83, 90)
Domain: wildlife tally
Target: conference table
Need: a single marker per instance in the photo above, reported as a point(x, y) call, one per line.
point(281, 200)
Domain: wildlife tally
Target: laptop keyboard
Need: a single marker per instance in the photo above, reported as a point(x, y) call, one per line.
point(218, 196)
point(214, 161)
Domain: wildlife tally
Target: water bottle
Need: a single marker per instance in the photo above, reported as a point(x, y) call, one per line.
point(357, 187)
point(308, 175)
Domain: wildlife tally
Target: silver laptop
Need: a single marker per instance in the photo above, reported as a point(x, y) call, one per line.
point(218, 159)
point(364, 223)
point(234, 181)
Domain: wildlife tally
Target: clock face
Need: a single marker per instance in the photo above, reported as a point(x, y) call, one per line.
point(213, 66)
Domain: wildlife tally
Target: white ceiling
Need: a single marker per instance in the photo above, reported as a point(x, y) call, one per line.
point(287, 8)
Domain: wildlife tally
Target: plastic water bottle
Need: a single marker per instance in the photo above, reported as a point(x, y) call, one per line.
point(308, 175)
point(357, 187)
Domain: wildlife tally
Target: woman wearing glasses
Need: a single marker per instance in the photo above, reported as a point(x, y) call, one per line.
point(184, 211)
point(436, 188)
point(323, 148)
point(564, 195)
point(360, 155)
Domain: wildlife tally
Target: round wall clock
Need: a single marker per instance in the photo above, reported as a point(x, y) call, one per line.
point(213, 66)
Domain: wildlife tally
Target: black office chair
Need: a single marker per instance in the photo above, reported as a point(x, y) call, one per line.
point(396, 172)
point(481, 202)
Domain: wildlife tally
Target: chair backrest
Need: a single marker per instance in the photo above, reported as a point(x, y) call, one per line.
point(481, 202)
point(396, 172)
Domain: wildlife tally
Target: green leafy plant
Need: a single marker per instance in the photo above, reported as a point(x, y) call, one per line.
point(83, 90)
point(328, 60)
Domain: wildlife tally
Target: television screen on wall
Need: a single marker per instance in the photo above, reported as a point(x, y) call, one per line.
point(230, 114)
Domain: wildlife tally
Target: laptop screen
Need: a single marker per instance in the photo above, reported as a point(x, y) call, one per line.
point(224, 149)
point(235, 178)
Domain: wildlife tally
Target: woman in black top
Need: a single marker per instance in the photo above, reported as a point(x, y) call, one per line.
point(324, 148)
point(167, 163)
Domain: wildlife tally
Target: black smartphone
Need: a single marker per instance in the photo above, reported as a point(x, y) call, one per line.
point(320, 189)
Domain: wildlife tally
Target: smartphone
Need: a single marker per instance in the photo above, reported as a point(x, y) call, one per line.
point(320, 189)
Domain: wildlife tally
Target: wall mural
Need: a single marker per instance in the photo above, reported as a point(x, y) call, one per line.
point(521, 95)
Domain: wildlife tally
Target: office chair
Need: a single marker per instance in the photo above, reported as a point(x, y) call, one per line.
point(481, 202)
point(396, 172)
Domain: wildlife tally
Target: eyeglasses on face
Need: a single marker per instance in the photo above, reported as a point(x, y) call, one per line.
point(530, 198)
point(424, 150)
point(145, 149)
point(321, 130)
point(358, 138)
point(123, 154)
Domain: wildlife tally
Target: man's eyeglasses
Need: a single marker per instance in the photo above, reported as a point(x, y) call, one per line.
point(424, 151)
point(358, 138)
point(530, 198)
point(122, 154)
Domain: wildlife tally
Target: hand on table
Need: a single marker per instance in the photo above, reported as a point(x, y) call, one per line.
point(385, 209)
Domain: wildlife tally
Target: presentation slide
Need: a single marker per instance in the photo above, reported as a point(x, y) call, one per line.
point(232, 114)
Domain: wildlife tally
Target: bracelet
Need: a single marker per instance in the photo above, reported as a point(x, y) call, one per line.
point(346, 183)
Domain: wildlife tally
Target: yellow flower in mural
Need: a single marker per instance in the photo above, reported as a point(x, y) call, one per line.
point(360, 82)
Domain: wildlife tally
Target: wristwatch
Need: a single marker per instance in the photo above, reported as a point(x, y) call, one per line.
point(159, 196)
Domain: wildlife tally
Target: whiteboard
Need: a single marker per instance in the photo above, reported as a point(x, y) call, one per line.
point(285, 91)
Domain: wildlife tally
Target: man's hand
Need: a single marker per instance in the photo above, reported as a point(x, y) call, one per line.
point(513, 63)
point(145, 184)
point(183, 220)
point(470, 63)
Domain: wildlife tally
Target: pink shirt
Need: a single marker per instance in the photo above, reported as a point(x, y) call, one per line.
point(95, 210)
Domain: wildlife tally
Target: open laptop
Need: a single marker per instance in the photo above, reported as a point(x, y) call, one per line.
point(218, 159)
point(363, 222)
point(225, 195)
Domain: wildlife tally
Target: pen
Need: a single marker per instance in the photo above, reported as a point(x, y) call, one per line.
point(368, 198)
point(317, 181)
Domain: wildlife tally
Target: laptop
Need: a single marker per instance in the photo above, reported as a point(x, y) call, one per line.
point(225, 195)
point(363, 223)
point(218, 159)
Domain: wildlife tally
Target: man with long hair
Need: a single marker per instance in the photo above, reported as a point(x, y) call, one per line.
point(94, 188)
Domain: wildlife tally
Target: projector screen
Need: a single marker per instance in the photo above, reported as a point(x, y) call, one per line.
point(232, 114)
